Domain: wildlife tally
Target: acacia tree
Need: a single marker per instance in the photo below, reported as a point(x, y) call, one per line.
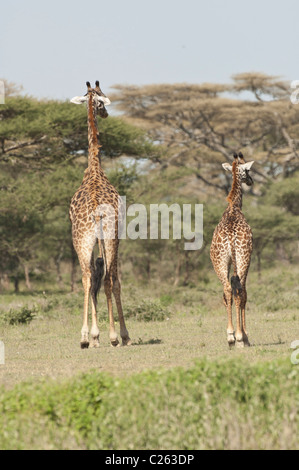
point(202, 125)
point(271, 227)
point(43, 154)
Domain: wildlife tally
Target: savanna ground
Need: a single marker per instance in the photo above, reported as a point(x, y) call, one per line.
point(177, 387)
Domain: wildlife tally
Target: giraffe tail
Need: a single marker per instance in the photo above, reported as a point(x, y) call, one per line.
point(235, 280)
point(236, 285)
point(99, 273)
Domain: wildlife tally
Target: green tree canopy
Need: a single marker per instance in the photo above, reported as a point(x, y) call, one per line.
point(43, 154)
point(201, 126)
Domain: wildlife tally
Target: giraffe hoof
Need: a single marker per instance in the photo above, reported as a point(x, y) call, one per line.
point(126, 341)
point(95, 343)
point(243, 342)
point(115, 343)
point(231, 339)
point(84, 344)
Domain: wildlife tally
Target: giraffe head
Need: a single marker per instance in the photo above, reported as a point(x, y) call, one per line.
point(242, 168)
point(95, 97)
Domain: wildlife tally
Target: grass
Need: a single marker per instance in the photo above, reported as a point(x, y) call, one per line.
point(212, 405)
point(177, 386)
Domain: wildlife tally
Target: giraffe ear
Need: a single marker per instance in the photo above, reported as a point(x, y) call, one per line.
point(78, 99)
point(247, 166)
point(227, 166)
point(104, 100)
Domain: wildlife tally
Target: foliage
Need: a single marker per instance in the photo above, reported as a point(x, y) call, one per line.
point(23, 314)
point(38, 134)
point(147, 310)
point(225, 404)
point(43, 150)
point(213, 404)
point(202, 125)
point(167, 148)
point(285, 194)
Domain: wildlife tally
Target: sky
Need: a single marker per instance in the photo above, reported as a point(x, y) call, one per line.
point(52, 48)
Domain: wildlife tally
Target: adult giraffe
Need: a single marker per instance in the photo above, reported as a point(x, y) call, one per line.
point(232, 245)
point(96, 214)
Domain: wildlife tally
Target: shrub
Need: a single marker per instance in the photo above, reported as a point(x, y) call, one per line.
point(23, 314)
point(147, 310)
point(212, 405)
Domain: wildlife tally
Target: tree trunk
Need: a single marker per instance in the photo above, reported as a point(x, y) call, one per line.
point(57, 261)
point(135, 268)
point(4, 281)
point(177, 272)
point(16, 284)
point(187, 269)
point(58, 273)
point(148, 269)
point(27, 278)
point(281, 253)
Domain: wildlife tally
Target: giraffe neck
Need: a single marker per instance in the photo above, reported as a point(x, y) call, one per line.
point(235, 196)
point(94, 155)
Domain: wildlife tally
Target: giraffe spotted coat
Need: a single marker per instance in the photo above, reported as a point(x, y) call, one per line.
point(232, 247)
point(96, 213)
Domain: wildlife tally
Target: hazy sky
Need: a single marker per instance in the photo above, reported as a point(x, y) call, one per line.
point(53, 47)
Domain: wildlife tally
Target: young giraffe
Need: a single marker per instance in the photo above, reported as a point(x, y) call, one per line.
point(96, 214)
point(232, 245)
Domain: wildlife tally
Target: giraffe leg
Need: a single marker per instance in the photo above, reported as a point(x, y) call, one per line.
point(108, 284)
point(243, 305)
point(237, 295)
point(94, 332)
point(87, 267)
point(227, 298)
point(86, 281)
point(239, 332)
point(126, 341)
point(222, 263)
point(240, 297)
point(110, 247)
point(240, 302)
point(112, 285)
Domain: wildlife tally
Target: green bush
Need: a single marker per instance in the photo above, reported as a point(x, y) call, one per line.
point(213, 405)
point(147, 310)
point(15, 316)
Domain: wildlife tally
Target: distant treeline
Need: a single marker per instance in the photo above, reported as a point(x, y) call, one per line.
point(166, 147)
